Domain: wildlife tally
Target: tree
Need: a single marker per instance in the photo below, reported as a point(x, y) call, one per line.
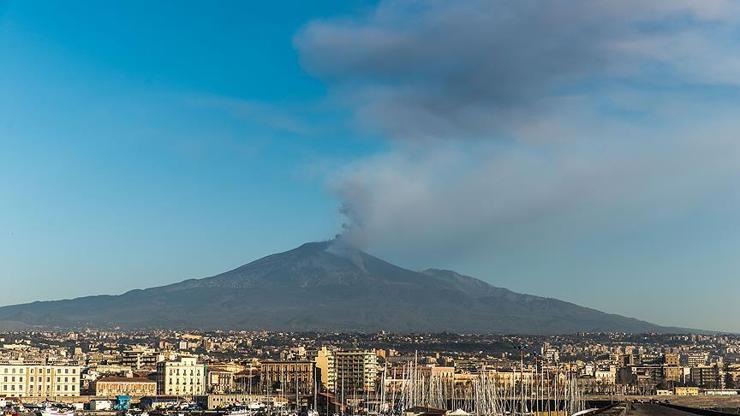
point(729, 380)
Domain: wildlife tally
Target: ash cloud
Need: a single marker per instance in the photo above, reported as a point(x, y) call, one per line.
point(462, 69)
point(517, 122)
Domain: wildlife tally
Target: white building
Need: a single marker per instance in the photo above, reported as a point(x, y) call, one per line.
point(39, 380)
point(138, 357)
point(181, 377)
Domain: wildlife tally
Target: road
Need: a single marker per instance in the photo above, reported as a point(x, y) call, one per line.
point(652, 409)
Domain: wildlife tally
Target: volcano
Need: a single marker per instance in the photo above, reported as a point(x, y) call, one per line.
point(326, 286)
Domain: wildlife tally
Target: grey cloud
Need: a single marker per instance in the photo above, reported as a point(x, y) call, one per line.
point(445, 202)
point(526, 70)
point(529, 134)
point(441, 69)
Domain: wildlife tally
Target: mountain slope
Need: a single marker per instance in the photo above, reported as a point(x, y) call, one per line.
point(326, 286)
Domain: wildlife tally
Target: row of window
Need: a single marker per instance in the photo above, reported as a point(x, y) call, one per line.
point(184, 381)
point(64, 387)
point(184, 372)
point(21, 370)
point(174, 391)
point(40, 379)
point(267, 367)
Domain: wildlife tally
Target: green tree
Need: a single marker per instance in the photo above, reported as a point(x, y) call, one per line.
point(729, 381)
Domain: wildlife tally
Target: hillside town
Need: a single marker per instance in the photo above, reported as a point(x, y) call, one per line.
point(361, 373)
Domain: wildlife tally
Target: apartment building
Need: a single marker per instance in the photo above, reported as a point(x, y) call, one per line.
point(356, 370)
point(697, 359)
point(181, 377)
point(39, 380)
point(706, 376)
point(138, 357)
point(326, 368)
point(673, 374)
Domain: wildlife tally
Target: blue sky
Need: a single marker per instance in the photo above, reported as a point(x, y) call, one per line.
point(585, 152)
point(135, 149)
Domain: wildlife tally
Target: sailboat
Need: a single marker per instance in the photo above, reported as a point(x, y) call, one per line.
point(314, 411)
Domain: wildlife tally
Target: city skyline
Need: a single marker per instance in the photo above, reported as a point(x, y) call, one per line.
point(584, 151)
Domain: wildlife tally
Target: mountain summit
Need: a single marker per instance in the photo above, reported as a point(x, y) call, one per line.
point(326, 286)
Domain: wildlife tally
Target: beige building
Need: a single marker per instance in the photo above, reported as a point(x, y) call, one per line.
point(686, 391)
point(220, 380)
point(326, 368)
point(511, 376)
point(671, 359)
point(181, 377)
point(435, 371)
point(39, 380)
point(131, 386)
point(286, 376)
point(673, 374)
point(247, 381)
point(606, 376)
point(356, 370)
